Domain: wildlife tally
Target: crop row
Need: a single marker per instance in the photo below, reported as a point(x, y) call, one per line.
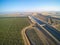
point(10, 29)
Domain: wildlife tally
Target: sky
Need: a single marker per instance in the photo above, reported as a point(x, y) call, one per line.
point(29, 5)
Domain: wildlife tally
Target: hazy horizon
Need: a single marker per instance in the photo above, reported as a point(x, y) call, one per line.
point(29, 5)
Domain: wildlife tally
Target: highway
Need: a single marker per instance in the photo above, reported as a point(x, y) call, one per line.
point(48, 28)
point(46, 37)
point(53, 31)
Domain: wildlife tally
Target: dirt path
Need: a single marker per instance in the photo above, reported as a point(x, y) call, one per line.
point(26, 41)
point(41, 35)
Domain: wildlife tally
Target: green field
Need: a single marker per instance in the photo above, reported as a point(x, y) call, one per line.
point(10, 30)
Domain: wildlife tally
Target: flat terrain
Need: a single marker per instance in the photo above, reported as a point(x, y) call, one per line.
point(33, 37)
point(58, 27)
point(10, 30)
point(56, 24)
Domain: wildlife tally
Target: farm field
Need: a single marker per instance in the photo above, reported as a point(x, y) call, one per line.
point(10, 30)
point(56, 24)
point(58, 27)
point(33, 37)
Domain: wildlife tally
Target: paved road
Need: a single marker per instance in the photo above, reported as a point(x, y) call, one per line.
point(53, 31)
point(36, 20)
point(46, 39)
point(50, 29)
